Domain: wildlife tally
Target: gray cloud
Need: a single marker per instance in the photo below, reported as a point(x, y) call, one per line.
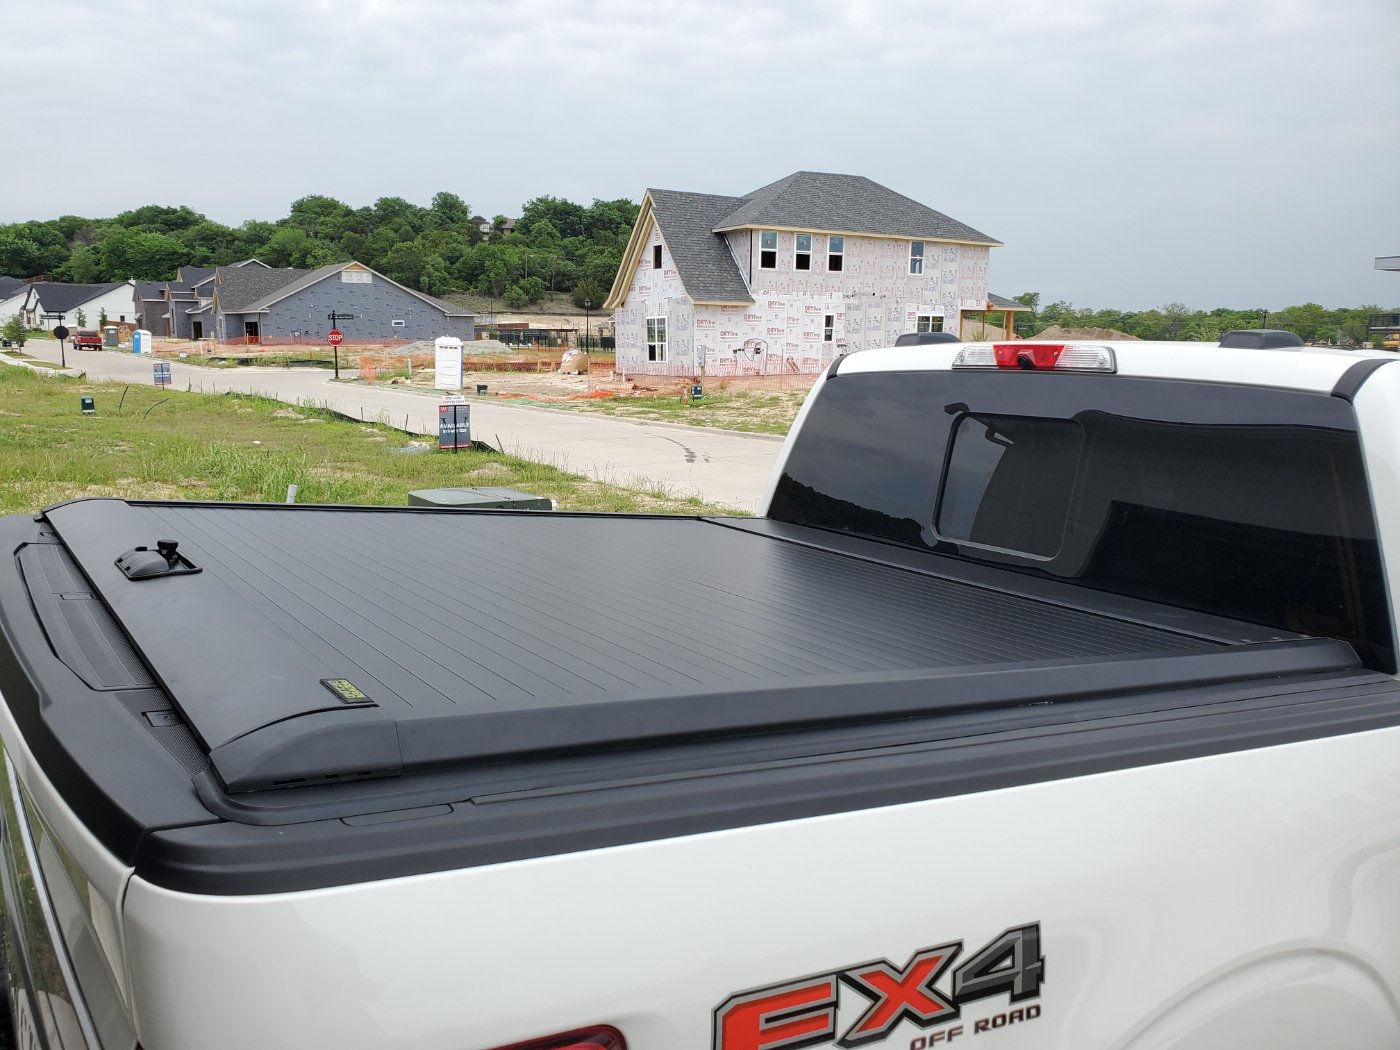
point(1127, 154)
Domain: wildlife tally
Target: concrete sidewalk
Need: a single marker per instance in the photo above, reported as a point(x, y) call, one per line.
point(719, 466)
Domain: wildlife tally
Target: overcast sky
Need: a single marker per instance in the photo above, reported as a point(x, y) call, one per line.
point(1128, 153)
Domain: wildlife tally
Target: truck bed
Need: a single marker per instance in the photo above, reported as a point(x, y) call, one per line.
point(340, 662)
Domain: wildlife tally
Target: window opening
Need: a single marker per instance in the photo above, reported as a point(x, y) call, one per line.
point(768, 250)
point(656, 256)
point(828, 327)
point(656, 339)
point(802, 252)
point(928, 323)
point(836, 254)
point(916, 257)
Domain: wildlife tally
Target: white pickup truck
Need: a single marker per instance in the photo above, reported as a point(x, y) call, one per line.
point(1050, 703)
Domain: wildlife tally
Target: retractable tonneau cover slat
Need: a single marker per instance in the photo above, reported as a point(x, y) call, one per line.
point(530, 632)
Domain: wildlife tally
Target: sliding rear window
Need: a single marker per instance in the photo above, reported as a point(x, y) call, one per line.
point(1249, 503)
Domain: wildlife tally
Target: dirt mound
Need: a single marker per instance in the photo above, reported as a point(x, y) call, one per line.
point(1056, 332)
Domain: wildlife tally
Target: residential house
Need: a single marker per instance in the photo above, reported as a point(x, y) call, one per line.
point(258, 304)
point(787, 277)
point(174, 309)
point(12, 298)
point(115, 299)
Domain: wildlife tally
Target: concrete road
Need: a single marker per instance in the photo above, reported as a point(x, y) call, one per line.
point(719, 466)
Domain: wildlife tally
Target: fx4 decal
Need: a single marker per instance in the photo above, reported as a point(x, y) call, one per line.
point(802, 1013)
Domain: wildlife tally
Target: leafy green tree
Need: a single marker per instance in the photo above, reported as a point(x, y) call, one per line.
point(84, 266)
point(81, 317)
point(450, 212)
point(589, 290)
point(141, 254)
point(210, 244)
point(405, 263)
point(19, 256)
point(157, 218)
point(14, 330)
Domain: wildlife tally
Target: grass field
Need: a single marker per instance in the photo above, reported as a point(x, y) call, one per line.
point(145, 443)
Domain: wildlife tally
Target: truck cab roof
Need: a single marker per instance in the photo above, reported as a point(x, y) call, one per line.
point(1308, 368)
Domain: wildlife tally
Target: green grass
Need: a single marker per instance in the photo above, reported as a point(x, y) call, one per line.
point(154, 444)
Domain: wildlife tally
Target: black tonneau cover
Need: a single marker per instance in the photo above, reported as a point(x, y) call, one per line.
point(328, 669)
point(534, 632)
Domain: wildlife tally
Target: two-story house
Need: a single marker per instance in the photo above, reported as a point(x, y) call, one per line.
point(789, 276)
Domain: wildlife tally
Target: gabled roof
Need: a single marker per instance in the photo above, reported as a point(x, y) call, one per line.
point(56, 298)
point(239, 287)
point(704, 262)
point(818, 200)
point(150, 290)
point(307, 278)
point(693, 226)
point(9, 286)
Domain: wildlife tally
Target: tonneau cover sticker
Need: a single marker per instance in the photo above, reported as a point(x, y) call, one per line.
point(863, 1004)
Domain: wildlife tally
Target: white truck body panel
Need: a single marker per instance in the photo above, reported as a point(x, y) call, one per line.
point(1207, 904)
point(1250, 898)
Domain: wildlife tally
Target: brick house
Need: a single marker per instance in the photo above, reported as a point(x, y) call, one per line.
point(787, 277)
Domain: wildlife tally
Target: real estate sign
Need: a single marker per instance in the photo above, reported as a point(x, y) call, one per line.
point(448, 364)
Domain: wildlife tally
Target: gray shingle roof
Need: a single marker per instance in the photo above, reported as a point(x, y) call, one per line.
point(817, 200)
point(1000, 302)
point(239, 287)
point(321, 273)
point(9, 286)
point(65, 298)
point(189, 276)
point(702, 258)
point(147, 290)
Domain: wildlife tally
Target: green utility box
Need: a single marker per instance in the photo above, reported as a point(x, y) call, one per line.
point(486, 498)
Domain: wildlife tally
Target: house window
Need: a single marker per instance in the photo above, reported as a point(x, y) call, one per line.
point(916, 257)
point(656, 256)
point(656, 338)
point(802, 253)
point(835, 254)
point(928, 323)
point(768, 250)
point(828, 327)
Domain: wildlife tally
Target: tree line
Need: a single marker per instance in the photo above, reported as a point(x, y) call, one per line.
point(1315, 324)
point(555, 245)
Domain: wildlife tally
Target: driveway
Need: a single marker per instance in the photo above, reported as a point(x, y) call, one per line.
point(718, 466)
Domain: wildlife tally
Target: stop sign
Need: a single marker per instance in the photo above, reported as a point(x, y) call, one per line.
point(335, 338)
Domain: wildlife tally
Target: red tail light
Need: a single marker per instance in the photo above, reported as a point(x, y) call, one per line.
point(1035, 355)
point(1038, 357)
point(591, 1039)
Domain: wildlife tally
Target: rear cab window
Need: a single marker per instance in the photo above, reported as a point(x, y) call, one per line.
point(1247, 503)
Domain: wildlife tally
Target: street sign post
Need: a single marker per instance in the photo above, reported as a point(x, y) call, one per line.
point(335, 337)
point(60, 333)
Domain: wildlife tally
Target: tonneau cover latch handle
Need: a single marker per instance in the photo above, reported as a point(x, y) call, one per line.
point(142, 563)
